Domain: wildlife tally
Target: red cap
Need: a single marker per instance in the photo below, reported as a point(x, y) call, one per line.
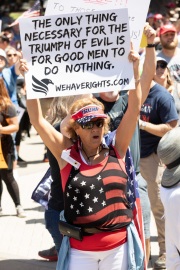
point(167, 28)
point(87, 113)
point(158, 17)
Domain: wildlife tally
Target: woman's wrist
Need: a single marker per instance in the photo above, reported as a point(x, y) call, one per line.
point(137, 80)
point(151, 45)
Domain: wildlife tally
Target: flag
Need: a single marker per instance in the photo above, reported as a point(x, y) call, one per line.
point(103, 193)
point(34, 11)
point(134, 199)
point(132, 191)
point(41, 193)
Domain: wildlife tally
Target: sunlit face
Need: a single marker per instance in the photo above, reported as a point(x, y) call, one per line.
point(169, 40)
point(150, 20)
point(12, 57)
point(8, 34)
point(161, 72)
point(91, 134)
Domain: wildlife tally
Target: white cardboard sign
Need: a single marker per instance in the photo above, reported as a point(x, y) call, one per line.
point(137, 10)
point(77, 53)
point(20, 111)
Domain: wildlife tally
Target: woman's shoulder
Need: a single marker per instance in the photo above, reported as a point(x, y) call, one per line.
point(11, 110)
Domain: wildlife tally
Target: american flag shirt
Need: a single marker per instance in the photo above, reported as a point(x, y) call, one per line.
point(99, 199)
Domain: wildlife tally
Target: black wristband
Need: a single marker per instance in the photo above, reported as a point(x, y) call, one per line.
point(151, 45)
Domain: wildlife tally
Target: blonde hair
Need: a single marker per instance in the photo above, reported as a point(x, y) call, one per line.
point(59, 108)
point(76, 106)
point(9, 48)
point(170, 83)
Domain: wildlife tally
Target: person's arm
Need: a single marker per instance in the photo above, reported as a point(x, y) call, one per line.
point(12, 127)
point(128, 123)
point(158, 130)
point(54, 140)
point(149, 66)
point(17, 64)
point(64, 125)
point(16, 68)
point(166, 113)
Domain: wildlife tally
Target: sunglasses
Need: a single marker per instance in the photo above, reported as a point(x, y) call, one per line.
point(13, 54)
point(162, 65)
point(89, 125)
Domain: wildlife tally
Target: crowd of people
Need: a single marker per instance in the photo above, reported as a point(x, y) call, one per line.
point(145, 121)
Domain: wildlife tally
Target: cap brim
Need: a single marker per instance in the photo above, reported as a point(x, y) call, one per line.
point(171, 177)
point(165, 31)
point(161, 59)
point(86, 119)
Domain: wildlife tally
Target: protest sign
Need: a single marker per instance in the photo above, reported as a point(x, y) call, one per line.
point(143, 43)
point(137, 10)
point(20, 111)
point(77, 53)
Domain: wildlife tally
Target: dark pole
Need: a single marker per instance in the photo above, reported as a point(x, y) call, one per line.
point(41, 8)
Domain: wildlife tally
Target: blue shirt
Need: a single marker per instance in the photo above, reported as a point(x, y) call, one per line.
point(10, 78)
point(159, 108)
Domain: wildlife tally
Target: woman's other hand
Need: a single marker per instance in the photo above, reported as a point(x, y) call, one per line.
point(134, 58)
point(23, 67)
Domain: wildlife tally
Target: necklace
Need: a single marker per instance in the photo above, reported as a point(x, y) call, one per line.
point(100, 148)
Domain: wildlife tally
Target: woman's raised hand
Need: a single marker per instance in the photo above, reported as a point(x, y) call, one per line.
point(23, 67)
point(134, 58)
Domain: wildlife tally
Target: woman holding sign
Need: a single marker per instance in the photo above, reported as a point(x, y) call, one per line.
point(8, 125)
point(94, 181)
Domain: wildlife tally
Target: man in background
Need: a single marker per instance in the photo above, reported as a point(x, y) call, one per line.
point(171, 53)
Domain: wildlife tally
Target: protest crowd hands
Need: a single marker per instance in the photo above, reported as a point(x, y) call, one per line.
point(150, 33)
point(23, 67)
point(134, 58)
